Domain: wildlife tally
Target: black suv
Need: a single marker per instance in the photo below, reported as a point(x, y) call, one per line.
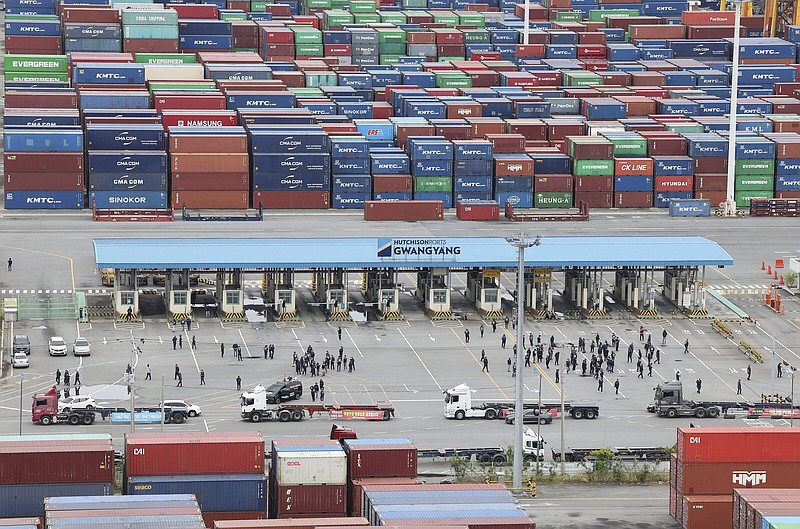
point(22, 344)
point(281, 391)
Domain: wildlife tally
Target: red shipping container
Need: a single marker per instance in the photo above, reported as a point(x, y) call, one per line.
point(402, 132)
point(211, 199)
point(194, 453)
point(665, 144)
point(90, 15)
point(532, 129)
point(382, 460)
point(462, 110)
point(49, 181)
point(554, 183)
point(595, 199)
point(209, 518)
point(708, 18)
point(355, 485)
point(293, 199)
point(656, 31)
point(223, 118)
point(674, 183)
point(44, 99)
point(216, 181)
point(150, 45)
point(673, 503)
point(190, 102)
point(392, 183)
point(209, 162)
point(292, 499)
point(705, 512)
point(633, 200)
point(714, 33)
point(752, 517)
point(42, 162)
point(297, 523)
point(739, 444)
point(513, 166)
point(404, 210)
point(195, 10)
point(594, 183)
point(80, 461)
point(711, 164)
point(204, 143)
point(339, 49)
point(483, 127)
point(507, 143)
point(32, 45)
point(633, 167)
point(716, 197)
point(560, 129)
point(787, 194)
point(722, 478)
point(228, 57)
point(587, 37)
point(153, 510)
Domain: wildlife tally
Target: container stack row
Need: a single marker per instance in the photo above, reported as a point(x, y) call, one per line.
point(171, 511)
point(766, 508)
point(231, 486)
point(35, 467)
point(714, 467)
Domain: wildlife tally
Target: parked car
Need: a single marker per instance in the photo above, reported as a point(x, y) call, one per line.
point(57, 346)
point(22, 344)
point(78, 402)
point(192, 410)
point(281, 391)
point(531, 416)
point(20, 360)
point(81, 347)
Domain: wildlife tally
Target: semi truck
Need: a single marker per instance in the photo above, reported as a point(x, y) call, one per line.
point(458, 404)
point(255, 407)
point(669, 402)
point(44, 411)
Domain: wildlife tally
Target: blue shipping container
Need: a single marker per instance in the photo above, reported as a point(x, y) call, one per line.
point(430, 150)
point(473, 184)
point(663, 199)
point(112, 137)
point(358, 165)
point(262, 100)
point(517, 199)
point(349, 200)
point(471, 196)
point(389, 163)
point(117, 101)
point(349, 146)
point(42, 200)
point(292, 182)
point(28, 500)
point(204, 27)
point(754, 149)
point(129, 199)
point(673, 166)
point(513, 184)
point(633, 184)
point(432, 168)
point(391, 197)
point(690, 208)
point(291, 163)
point(128, 181)
point(231, 492)
point(790, 182)
point(352, 183)
point(472, 168)
point(446, 198)
point(473, 150)
point(205, 42)
point(300, 140)
point(130, 162)
point(33, 28)
point(108, 73)
point(34, 140)
point(38, 120)
point(92, 31)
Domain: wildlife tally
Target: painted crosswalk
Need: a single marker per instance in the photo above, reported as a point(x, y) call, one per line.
point(740, 289)
point(34, 291)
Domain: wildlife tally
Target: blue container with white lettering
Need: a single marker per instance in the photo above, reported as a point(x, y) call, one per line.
point(92, 31)
point(473, 150)
point(422, 148)
point(681, 107)
point(291, 182)
point(129, 199)
point(696, 49)
point(690, 208)
point(624, 184)
point(385, 77)
point(787, 167)
point(349, 200)
point(623, 52)
point(129, 162)
point(531, 109)
point(107, 73)
point(665, 9)
point(43, 199)
point(349, 146)
point(517, 199)
point(765, 48)
point(425, 109)
point(503, 184)
point(355, 110)
point(375, 129)
point(128, 181)
point(34, 5)
point(551, 164)
point(472, 167)
point(754, 148)
point(421, 79)
point(471, 196)
point(446, 198)
point(214, 492)
point(114, 137)
point(474, 184)
point(712, 78)
point(119, 100)
point(261, 100)
point(350, 165)
point(92, 44)
point(680, 78)
point(35, 118)
point(713, 107)
point(297, 140)
point(49, 140)
point(673, 165)
point(356, 80)
point(663, 199)
point(352, 183)
point(431, 168)
point(496, 107)
point(268, 163)
point(205, 42)
point(204, 27)
point(336, 37)
point(560, 51)
point(594, 109)
point(33, 28)
point(706, 145)
point(391, 197)
point(766, 75)
point(389, 163)
point(238, 72)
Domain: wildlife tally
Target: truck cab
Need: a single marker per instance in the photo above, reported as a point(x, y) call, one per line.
point(669, 403)
point(45, 405)
point(458, 404)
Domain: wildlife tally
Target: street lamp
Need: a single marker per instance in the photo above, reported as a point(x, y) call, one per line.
point(538, 421)
point(791, 372)
point(730, 203)
point(520, 242)
point(21, 380)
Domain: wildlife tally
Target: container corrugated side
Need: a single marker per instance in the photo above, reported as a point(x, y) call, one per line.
point(112, 503)
point(356, 493)
point(738, 444)
point(295, 523)
point(309, 468)
point(55, 462)
point(229, 492)
point(28, 500)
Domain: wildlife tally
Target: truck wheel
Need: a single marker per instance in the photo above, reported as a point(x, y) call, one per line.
point(387, 415)
point(700, 413)
point(672, 413)
point(177, 418)
point(46, 420)
point(491, 414)
point(499, 458)
point(485, 458)
point(460, 415)
point(92, 418)
point(88, 419)
point(591, 414)
point(255, 417)
point(285, 416)
point(578, 414)
point(529, 458)
point(74, 420)
point(713, 412)
point(297, 415)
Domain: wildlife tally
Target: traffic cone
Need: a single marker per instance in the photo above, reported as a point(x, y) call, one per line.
point(763, 266)
point(775, 275)
point(769, 269)
point(781, 283)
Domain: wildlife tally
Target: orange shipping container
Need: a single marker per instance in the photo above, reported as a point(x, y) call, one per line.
point(210, 163)
point(633, 166)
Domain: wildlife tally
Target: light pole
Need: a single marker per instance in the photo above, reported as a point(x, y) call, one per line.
point(520, 242)
point(538, 421)
point(131, 380)
point(563, 469)
point(21, 380)
point(730, 204)
point(791, 372)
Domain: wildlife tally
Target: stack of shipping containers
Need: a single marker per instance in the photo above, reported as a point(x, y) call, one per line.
point(224, 471)
point(36, 34)
point(377, 462)
point(766, 508)
point(307, 478)
point(153, 31)
point(711, 463)
point(35, 467)
point(173, 511)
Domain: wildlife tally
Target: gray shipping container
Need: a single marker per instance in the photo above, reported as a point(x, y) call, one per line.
point(28, 500)
point(422, 50)
point(166, 521)
point(112, 503)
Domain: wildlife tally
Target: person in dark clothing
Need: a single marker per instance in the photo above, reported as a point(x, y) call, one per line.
point(222, 350)
point(177, 371)
point(749, 371)
point(466, 335)
point(485, 364)
point(58, 377)
point(180, 381)
point(238, 383)
point(699, 384)
point(202, 377)
point(616, 387)
point(739, 387)
point(174, 342)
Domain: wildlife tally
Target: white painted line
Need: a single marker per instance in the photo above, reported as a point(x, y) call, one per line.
point(206, 424)
point(189, 341)
point(420, 359)
point(245, 344)
point(298, 339)
point(354, 343)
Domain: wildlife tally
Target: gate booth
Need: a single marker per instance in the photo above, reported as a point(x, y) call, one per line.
point(584, 288)
point(434, 292)
point(637, 291)
point(230, 295)
point(484, 291)
point(279, 291)
point(330, 289)
point(179, 299)
point(539, 291)
point(126, 295)
point(682, 287)
point(381, 288)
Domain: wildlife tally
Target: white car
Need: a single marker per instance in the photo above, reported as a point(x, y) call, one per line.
point(192, 410)
point(20, 359)
point(57, 346)
point(78, 402)
point(81, 347)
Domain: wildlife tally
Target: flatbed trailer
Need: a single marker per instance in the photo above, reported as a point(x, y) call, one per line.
point(517, 216)
point(214, 218)
point(643, 453)
point(380, 411)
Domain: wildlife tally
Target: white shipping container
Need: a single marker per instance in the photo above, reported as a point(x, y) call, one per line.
point(134, 6)
point(173, 72)
point(311, 468)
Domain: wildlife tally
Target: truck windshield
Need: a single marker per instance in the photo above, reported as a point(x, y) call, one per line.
point(247, 401)
point(448, 398)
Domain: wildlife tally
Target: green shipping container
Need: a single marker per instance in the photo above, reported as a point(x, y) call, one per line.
point(166, 17)
point(34, 77)
point(599, 15)
point(475, 36)
point(448, 18)
point(165, 58)
point(433, 184)
point(306, 92)
point(318, 4)
point(233, 16)
point(552, 200)
point(453, 58)
point(259, 7)
point(684, 127)
point(320, 79)
point(389, 17)
point(34, 18)
point(471, 18)
point(581, 78)
point(391, 36)
point(150, 32)
point(415, 3)
point(453, 81)
point(33, 64)
point(743, 197)
point(363, 6)
point(754, 182)
point(306, 36)
point(593, 167)
point(367, 18)
point(309, 50)
point(569, 16)
point(390, 59)
point(755, 167)
point(391, 49)
point(629, 147)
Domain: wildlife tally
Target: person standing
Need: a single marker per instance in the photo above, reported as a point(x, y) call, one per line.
point(600, 381)
point(699, 384)
point(222, 350)
point(664, 337)
point(239, 353)
point(66, 377)
point(494, 325)
point(202, 377)
point(174, 342)
point(686, 346)
point(180, 341)
point(749, 371)
point(558, 376)
point(266, 351)
point(739, 387)
point(194, 343)
point(780, 370)
point(481, 329)
point(58, 377)
point(616, 387)
point(339, 333)
point(149, 375)
point(503, 341)
point(10, 262)
point(466, 335)
point(509, 364)
point(238, 383)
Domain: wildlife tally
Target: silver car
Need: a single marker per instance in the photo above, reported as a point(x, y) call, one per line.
point(81, 347)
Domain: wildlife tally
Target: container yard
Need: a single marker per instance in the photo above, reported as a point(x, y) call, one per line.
point(322, 104)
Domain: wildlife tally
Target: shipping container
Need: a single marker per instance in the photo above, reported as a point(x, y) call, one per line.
point(193, 453)
point(214, 492)
point(296, 523)
point(404, 210)
point(209, 518)
point(380, 458)
point(113, 503)
point(307, 499)
point(689, 208)
point(211, 199)
point(55, 181)
point(65, 461)
point(355, 486)
point(43, 199)
point(710, 445)
point(28, 500)
point(702, 512)
point(292, 199)
point(633, 199)
point(307, 468)
point(478, 210)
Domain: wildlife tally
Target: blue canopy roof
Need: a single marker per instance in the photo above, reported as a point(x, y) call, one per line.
point(366, 252)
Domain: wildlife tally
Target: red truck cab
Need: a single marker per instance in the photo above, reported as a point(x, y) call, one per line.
point(45, 407)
